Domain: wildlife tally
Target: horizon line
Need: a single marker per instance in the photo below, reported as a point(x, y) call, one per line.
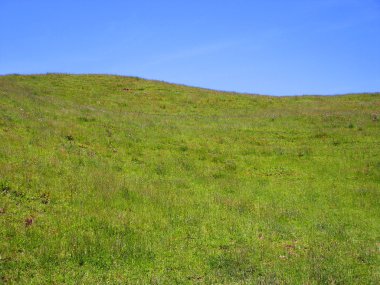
point(192, 86)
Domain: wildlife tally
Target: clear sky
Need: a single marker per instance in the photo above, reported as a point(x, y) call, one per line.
point(278, 47)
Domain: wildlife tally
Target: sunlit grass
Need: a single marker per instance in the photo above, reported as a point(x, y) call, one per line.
point(122, 180)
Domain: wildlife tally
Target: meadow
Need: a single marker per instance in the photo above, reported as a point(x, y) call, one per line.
point(120, 180)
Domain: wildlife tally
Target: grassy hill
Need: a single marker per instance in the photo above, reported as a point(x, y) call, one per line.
point(128, 181)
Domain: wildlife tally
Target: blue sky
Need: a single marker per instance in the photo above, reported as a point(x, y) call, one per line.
point(269, 47)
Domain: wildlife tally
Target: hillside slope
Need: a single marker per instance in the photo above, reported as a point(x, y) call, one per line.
point(123, 180)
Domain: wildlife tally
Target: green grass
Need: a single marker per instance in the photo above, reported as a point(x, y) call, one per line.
point(119, 180)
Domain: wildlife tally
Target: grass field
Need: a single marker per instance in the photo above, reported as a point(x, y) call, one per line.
point(120, 180)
